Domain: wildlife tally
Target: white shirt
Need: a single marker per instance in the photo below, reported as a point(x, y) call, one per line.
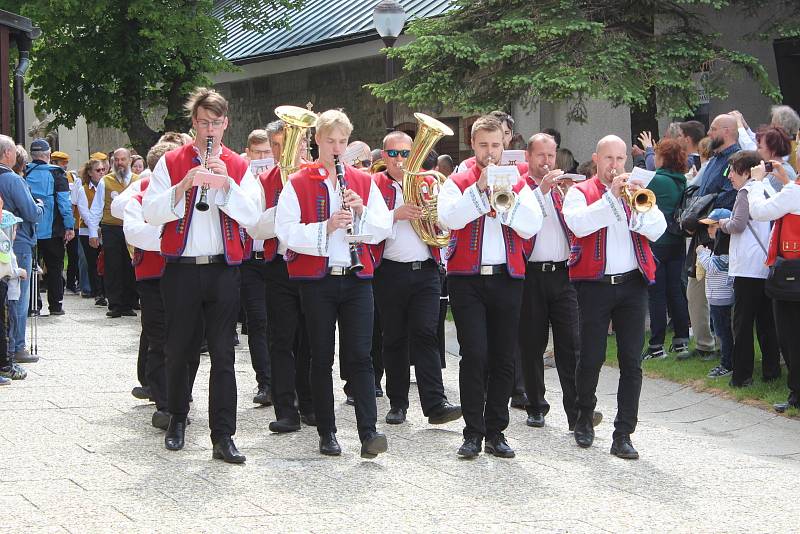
point(204, 233)
point(265, 229)
point(551, 241)
point(404, 245)
point(73, 189)
point(609, 212)
point(786, 201)
point(84, 208)
point(312, 238)
point(457, 209)
point(137, 232)
point(99, 202)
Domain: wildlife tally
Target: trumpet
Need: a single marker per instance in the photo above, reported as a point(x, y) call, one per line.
point(502, 197)
point(355, 261)
point(202, 203)
point(640, 200)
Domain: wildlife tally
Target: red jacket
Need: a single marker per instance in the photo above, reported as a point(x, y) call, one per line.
point(592, 265)
point(175, 233)
point(784, 240)
point(466, 245)
point(312, 194)
point(147, 264)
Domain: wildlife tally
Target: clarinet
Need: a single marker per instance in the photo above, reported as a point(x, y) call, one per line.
point(202, 203)
point(355, 261)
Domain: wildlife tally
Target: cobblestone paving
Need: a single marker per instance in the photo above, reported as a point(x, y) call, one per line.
point(80, 456)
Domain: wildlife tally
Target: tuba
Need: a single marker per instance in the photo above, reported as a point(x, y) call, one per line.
point(298, 121)
point(422, 188)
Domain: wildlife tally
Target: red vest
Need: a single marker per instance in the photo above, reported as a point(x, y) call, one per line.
point(521, 167)
point(147, 264)
point(591, 266)
point(784, 241)
point(312, 195)
point(558, 203)
point(389, 193)
point(463, 253)
point(175, 233)
point(271, 185)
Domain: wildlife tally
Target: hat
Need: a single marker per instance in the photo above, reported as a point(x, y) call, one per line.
point(99, 156)
point(59, 155)
point(357, 152)
point(716, 216)
point(9, 219)
point(40, 145)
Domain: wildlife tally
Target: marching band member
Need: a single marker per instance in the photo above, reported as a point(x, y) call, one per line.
point(611, 265)
point(313, 213)
point(485, 268)
point(407, 291)
point(201, 279)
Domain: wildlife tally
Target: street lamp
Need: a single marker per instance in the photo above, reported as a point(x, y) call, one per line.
point(389, 18)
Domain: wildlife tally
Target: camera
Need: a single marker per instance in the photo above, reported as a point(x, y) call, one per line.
point(768, 166)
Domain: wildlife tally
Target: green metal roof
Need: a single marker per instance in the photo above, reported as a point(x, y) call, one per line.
point(319, 25)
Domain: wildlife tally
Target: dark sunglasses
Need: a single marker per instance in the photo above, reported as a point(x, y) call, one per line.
point(395, 153)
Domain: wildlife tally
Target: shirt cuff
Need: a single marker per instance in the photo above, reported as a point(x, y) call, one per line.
point(177, 212)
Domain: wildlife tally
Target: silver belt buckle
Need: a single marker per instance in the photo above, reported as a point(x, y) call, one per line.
point(487, 270)
point(615, 279)
point(337, 271)
point(202, 260)
point(548, 267)
point(416, 265)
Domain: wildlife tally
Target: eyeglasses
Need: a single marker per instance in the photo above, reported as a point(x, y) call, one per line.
point(215, 123)
point(395, 153)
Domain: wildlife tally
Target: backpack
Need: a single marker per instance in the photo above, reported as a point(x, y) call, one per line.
point(691, 208)
point(674, 222)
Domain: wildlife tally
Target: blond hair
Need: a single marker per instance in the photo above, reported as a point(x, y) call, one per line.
point(334, 118)
point(257, 136)
point(208, 99)
point(487, 123)
point(158, 150)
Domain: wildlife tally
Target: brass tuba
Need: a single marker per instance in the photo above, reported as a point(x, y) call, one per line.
point(297, 121)
point(418, 189)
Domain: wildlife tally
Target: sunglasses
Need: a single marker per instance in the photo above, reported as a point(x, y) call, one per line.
point(395, 153)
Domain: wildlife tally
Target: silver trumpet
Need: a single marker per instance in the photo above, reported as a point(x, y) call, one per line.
point(502, 197)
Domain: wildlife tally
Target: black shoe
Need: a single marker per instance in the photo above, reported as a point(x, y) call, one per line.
point(141, 392)
point(128, 313)
point(263, 397)
point(597, 418)
point(100, 301)
point(308, 419)
point(204, 348)
point(498, 446)
point(285, 425)
point(378, 391)
point(174, 438)
point(374, 444)
point(56, 312)
point(519, 401)
point(623, 448)
point(744, 384)
point(444, 413)
point(225, 449)
point(350, 401)
point(471, 447)
point(535, 420)
point(584, 433)
point(113, 314)
point(329, 446)
point(396, 416)
point(161, 419)
point(781, 407)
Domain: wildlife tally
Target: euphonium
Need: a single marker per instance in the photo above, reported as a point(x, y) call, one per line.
point(297, 121)
point(422, 188)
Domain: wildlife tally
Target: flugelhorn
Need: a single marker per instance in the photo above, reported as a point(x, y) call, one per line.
point(297, 121)
point(640, 200)
point(202, 202)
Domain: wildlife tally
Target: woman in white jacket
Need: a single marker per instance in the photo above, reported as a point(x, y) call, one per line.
point(748, 254)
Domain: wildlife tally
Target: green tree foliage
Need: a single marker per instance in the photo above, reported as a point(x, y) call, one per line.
point(485, 54)
point(113, 60)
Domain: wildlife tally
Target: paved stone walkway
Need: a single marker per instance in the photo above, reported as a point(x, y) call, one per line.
point(79, 455)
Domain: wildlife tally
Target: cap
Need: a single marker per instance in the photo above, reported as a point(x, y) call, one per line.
point(9, 219)
point(716, 215)
point(59, 155)
point(40, 145)
point(99, 156)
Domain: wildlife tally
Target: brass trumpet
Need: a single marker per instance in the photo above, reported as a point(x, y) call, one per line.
point(641, 200)
point(502, 197)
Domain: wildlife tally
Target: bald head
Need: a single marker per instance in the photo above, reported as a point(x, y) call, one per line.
point(122, 162)
point(610, 142)
point(611, 155)
point(723, 132)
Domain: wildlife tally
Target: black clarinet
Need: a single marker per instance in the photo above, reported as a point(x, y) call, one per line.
point(202, 203)
point(355, 261)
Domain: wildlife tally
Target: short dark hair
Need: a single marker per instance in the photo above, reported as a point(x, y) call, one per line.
point(743, 161)
point(502, 116)
point(555, 134)
point(673, 154)
point(430, 161)
point(775, 139)
point(694, 130)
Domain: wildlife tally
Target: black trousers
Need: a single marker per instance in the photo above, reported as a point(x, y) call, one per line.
point(348, 299)
point(549, 299)
point(52, 252)
point(155, 332)
point(73, 278)
point(486, 312)
point(624, 304)
point(752, 305)
point(787, 319)
point(444, 302)
point(253, 295)
point(95, 280)
point(376, 353)
point(119, 279)
point(288, 343)
point(141, 359)
point(408, 302)
point(200, 298)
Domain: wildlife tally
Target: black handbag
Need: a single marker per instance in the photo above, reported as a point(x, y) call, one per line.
point(698, 207)
point(784, 280)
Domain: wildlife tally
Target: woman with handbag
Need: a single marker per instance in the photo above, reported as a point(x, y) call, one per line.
point(747, 256)
point(784, 261)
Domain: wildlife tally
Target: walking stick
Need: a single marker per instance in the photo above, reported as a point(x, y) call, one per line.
point(34, 304)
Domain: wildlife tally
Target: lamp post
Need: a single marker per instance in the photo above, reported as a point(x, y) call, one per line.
point(389, 18)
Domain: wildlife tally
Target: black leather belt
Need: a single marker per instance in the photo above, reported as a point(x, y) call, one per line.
point(489, 270)
point(198, 260)
point(616, 279)
point(340, 271)
point(548, 266)
point(412, 265)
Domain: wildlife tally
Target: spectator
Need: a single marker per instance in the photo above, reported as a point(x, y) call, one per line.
point(21, 160)
point(358, 155)
point(48, 183)
point(517, 142)
point(748, 254)
point(670, 252)
point(430, 161)
point(692, 133)
point(565, 160)
point(9, 290)
point(91, 173)
point(787, 118)
point(775, 145)
point(445, 164)
point(587, 169)
point(719, 288)
point(137, 164)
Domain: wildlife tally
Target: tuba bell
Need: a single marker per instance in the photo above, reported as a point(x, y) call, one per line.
point(297, 121)
point(422, 188)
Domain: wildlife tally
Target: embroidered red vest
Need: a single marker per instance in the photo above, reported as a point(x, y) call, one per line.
point(522, 167)
point(147, 264)
point(587, 260)
point(389, 193)
point(312, 195)
point(558, 203)
point(271, 185)
point(175, 233)
point(463, 253)
point(784, 241)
